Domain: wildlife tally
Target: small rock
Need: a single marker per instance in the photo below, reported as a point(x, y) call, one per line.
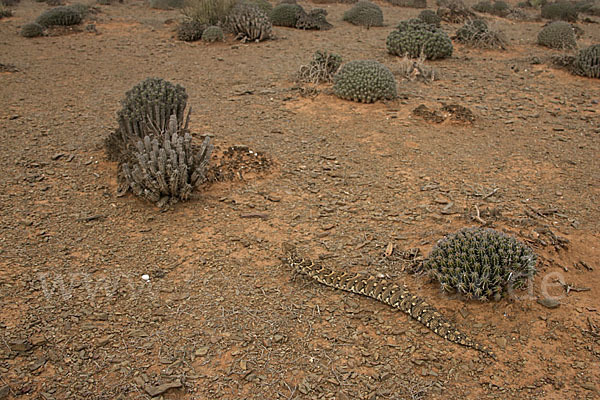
point(501, 342)
point(201, 351)
point(154, 391)
point(589, 386)
point(549, 302)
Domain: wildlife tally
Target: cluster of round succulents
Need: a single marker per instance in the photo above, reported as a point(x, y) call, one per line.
point(561, 10)
point(365, 81)
point(499, 8)
point(212, 34)
point(190, 30)
point(249, 23)
point(63, 15)
point(414, 37)
point(481, 263)
point(587, 62)
point(286, 14)
point(31, 30)
point(558, 35)
point(364, 13)
point(430, 17)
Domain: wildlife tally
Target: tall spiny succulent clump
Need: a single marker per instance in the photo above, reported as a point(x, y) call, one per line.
point(322, 67)
point(587, 62)
point(560, 10)
point(249, 23)
point(365, 81)
point(414, 37)
point(63, 15)
point(558, 35)
point(481, 263)
point(149, 103)
point(476, 33)
point(364, 13)
point(286, 14)
point(430, 17)
point(153, 145)
point(165, 167)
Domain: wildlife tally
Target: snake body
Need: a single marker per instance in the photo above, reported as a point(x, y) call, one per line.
point(397, 296)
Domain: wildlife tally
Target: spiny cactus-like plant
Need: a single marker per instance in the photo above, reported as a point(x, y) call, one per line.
point(190, 30)
point(264, 5)
point(481, 263)
point(316, 19)
point(165, 167)
point(454, 11)
point(213, 34)
point(148, 104)
point(5, 12)
point(365, 81)
point(209, 12)
point(249, 23)
point(561, 10)
point(430, 17)
point(587, 62)
point(286, 14)
point(32, 30)
point(476, 33)
point(322, 67)
point(414, 37)
point(364, 13)
point(63, 15)
point(558, 35)
point(499, 8)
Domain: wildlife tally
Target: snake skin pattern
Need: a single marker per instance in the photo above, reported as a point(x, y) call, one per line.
point(389, 293)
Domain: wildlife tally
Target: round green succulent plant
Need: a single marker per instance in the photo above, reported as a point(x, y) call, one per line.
point(213, 34)
point(560, 10)
point(365, 81)
point(414, 37)
point(558, 35)
point(481, 263)
point(32, 30)
point(364, 13)
point(430, 17)
point(587, 62)
point(286, 14)
point(63, 15)
point(190, 30)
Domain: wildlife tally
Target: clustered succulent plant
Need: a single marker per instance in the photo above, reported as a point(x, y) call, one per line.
point(481, 263)
point(286, 14)
point(430, 17)
point(322, 67)
point(365, 81)
point(499, 8)
point(364, 13)
point(63, 15)
point(413, 37)
point(476, 33)
point(264, 5)
point(190, 30)
point(153, 145)
point(587, 62)
point(32, 30)
point(558, 35)
point(249, 23)
point(213, 34)
point(560, 10)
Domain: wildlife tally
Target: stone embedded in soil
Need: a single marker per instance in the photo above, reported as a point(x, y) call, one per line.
point(160, 389)
point(549, 303)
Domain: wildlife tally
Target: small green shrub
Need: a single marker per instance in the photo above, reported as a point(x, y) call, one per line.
point(414, 37)
point(560, 11)
point(31, 30)
point(5, 12)
point(263, 5)
point(481, 264)
point(558, 35)
point(213, 34)
point(364, 81)
point(209, 12)
point(364, 13)
point(166, 4)
point(190, 30)
point(430, 17)
point(63, 15)
point(286, 15)
point(315, 19)
point(587, 62)
point(499, 8)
